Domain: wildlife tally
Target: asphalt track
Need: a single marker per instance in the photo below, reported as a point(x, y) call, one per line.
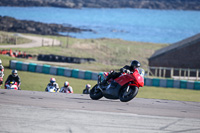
point(43, 112)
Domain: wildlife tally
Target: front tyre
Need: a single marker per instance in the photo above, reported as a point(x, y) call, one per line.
point(95, 93)
point(128, 94)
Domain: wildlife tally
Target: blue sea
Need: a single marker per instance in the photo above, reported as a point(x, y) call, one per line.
point(142, 25)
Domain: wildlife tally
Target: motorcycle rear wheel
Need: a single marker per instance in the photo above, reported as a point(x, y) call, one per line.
point(125, 96)
point(95, 93)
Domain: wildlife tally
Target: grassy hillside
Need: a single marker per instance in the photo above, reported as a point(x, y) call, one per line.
point(96, 49)
point(108, 53)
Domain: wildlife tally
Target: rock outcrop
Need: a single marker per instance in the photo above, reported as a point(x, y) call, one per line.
point(23, 26)
point(148, 4)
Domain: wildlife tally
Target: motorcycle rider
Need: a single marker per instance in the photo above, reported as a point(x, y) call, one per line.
point(87, 89)
point(14, 77)
point(52, 83)
point(1, 73)
point(66, 88)
point(135, 65)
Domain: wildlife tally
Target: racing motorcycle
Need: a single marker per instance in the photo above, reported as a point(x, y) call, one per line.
point(51, 89)
point(1, 81)
point(1, 77)
point(125, 87)
point(11, 85)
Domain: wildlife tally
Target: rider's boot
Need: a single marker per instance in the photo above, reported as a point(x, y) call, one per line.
point(103, 84)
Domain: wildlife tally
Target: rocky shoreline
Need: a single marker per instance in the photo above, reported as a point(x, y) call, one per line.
point(147, 4)
point(23, 26)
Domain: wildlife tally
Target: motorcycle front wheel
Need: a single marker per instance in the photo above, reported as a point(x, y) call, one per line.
point(95, 93)
point(128, 94)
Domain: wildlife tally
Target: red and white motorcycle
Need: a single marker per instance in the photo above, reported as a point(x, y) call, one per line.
point(125, 87)
point(11, 85)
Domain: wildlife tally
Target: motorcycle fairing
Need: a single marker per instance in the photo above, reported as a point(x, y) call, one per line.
point(112, 90)
point(51, 89)
point(11, 85)
point(123, 79)
point(139, 79)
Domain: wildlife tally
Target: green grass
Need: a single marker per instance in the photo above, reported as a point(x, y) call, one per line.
point(169, 93)
point(38, 82)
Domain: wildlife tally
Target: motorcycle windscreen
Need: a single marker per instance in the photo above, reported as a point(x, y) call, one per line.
point(139, 79)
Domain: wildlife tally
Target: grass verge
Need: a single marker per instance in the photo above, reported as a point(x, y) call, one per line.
point(37, 82)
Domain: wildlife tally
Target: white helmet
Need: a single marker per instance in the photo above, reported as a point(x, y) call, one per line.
point(87, 86)
point(66, 84)
point(52, 80)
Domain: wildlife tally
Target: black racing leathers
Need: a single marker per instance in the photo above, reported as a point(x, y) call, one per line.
point(122, 70)
point(16, 79)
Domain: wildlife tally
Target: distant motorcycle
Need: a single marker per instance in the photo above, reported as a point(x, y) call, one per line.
point(125, 87)
point(51, 89)
point(11, 85)
point(1, 81)
point(1, 77)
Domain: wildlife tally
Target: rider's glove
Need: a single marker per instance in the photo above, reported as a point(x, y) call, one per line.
point(111, 71)
point(127, 71)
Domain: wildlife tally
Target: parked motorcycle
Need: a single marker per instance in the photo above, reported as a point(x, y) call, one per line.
point(125, 87)
point(11, 85)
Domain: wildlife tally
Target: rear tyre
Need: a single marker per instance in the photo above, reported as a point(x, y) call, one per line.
point(125, 96)
point(95, 93)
